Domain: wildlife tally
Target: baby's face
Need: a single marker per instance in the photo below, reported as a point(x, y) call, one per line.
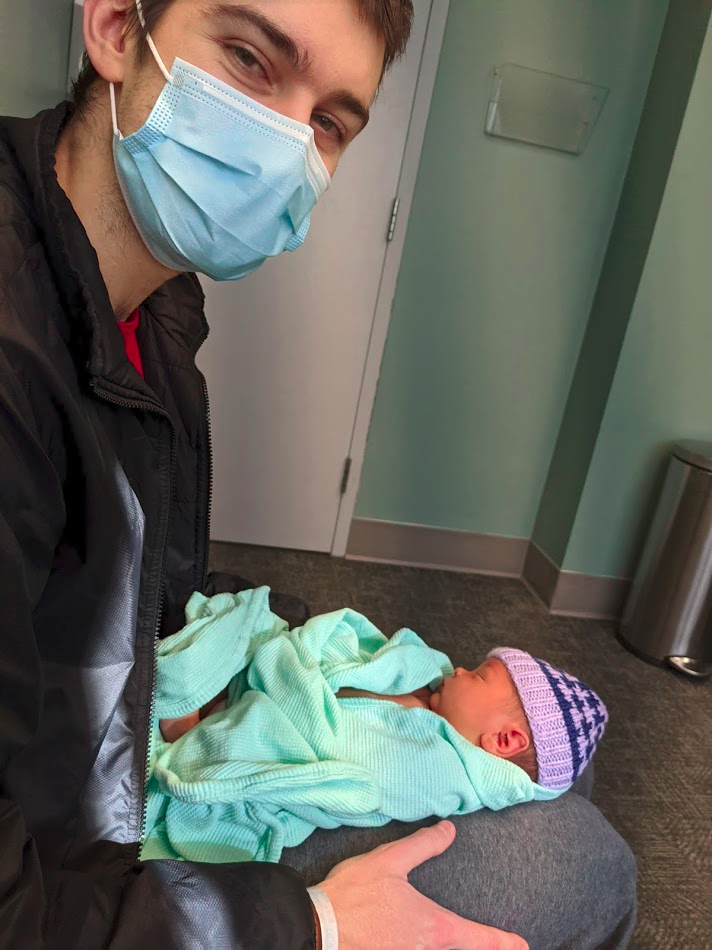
point(476, 702)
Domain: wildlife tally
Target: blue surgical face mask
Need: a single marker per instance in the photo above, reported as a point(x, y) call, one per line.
point(214, 181)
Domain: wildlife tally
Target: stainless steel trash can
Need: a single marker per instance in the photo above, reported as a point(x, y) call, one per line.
point(668, 615)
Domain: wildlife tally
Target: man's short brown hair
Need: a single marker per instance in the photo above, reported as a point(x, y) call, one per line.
point(390, 19)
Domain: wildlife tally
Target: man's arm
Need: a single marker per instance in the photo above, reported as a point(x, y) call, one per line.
point(31, 519)
point(159, 904)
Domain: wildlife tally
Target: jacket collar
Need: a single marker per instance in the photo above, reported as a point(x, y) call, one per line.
point(177, 305)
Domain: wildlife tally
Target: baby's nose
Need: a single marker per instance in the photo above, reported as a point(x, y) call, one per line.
point(460, 671)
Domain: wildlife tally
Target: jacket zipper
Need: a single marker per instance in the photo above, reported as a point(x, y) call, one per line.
point(154, 664)
point(208, 421)
point(150, 407)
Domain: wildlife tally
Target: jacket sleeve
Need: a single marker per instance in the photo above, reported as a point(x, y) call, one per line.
point(31, 518)
point(175, 904)
point(160, 904)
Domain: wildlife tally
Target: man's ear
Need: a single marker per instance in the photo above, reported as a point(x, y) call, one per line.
point(104, 37)
point(510, 741)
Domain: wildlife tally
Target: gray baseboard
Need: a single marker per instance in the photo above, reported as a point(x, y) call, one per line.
point(420, 546)
point(572, 594)
point(540, 574)
point(561, 592)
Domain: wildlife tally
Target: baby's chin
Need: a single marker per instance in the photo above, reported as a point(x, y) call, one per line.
point(435, 699)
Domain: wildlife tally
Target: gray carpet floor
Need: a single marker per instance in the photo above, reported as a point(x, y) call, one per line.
point(654, 765)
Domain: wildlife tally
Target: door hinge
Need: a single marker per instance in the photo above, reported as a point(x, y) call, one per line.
point(345, 476)
point(394, 220)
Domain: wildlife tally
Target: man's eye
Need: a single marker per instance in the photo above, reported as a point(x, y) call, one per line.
point(328, 126)
point(247, 59)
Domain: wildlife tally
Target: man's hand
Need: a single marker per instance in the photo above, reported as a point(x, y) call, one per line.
point(377, 909)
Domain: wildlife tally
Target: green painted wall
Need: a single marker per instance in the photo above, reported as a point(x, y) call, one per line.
point(34, 52)
point(646, 180)
point(662, 391)
point(502, 258)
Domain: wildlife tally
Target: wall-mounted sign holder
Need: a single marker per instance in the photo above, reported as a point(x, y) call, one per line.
point(527, 105)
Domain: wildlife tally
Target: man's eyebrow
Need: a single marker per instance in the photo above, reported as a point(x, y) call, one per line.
point(243, 14)
point(353, 105)
point(298, 58)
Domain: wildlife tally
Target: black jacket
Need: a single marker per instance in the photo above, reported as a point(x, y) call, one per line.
point(104, 511)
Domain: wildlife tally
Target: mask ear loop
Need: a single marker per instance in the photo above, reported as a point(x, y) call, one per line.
point(156, 55)
point(114, 119)
point(152, 46)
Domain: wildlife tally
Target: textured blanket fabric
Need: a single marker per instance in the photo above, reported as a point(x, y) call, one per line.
point(286, 756)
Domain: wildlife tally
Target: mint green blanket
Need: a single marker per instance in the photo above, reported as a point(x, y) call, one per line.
point(285, 756)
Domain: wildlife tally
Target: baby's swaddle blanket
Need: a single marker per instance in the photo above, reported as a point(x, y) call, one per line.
point(286, 756)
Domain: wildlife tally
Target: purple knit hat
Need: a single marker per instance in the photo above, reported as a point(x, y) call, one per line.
point(565, 716)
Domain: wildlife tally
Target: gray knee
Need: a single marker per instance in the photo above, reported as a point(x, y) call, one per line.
point(556, 873)
point(617, 868)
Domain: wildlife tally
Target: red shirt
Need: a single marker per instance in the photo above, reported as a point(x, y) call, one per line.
point(128, 331)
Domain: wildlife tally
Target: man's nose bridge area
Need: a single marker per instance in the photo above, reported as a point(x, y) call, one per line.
point(297, 103)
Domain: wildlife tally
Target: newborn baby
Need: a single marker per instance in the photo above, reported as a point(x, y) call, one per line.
point(482, 704)
point(333, 723)
point(485, 706)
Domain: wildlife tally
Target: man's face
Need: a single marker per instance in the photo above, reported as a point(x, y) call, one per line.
point(476, 702)
point(314, 61)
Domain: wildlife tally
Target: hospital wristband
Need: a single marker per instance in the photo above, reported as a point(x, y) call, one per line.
point(327, 918)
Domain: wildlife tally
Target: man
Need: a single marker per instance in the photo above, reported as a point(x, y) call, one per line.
point(189, 148)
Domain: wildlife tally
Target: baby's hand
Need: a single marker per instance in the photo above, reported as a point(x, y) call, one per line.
point(173, 729)
point(410, 701)
point(420, 699)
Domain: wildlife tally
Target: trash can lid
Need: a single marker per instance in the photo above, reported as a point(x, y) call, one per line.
point(695, 453)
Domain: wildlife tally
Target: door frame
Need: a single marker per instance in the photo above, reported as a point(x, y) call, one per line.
point(434, 35)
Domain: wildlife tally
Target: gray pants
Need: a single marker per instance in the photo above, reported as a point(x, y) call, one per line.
point(556, 873)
